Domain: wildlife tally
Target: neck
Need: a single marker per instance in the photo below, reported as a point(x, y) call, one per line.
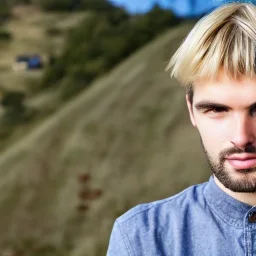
point(247, 198)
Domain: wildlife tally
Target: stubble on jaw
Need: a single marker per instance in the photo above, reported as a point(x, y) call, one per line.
point(246, 184)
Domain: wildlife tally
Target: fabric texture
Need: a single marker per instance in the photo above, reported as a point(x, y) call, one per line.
point(201, 220)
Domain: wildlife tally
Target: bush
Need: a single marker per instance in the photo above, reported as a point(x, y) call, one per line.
point(73, 5)
point(5, 11)
point(56, 5)
point(97, 5)
point(71, 87)
point(13, 100)
point(5, 35)
point(53, 31)
point(15, 111)
point(19, 2)
point(101, 41)
point(53, 74)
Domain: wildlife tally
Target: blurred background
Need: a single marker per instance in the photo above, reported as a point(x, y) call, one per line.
point(91, 125)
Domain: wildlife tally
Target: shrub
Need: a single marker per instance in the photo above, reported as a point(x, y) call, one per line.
point(56, 5)
point(96, 5)
point(13, 100)
point(5, 12)
point(53, 31)
point(5, 35)
point(72, 5)
point(100, 42)
point(71, 87)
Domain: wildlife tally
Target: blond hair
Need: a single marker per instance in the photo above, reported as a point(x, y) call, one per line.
point(224, 39)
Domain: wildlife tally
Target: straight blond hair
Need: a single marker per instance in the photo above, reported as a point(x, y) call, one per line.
point(224, 39)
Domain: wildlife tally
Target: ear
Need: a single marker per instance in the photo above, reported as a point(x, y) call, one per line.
point(191, 112)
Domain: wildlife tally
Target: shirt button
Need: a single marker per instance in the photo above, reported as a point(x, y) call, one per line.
point(252, 217)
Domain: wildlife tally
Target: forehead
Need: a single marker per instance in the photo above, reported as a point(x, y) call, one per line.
point(225, 89)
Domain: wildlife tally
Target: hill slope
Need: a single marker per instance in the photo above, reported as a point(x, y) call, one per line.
point(29, 28)
point(130, 131)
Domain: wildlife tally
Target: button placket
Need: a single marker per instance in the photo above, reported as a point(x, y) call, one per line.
point(252, 217)
point(250, 232)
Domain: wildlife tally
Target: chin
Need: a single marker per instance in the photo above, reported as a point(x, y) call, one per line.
point(243, 181)
point(240, 181)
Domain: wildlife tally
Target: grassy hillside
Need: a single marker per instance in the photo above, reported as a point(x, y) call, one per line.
point(130, 131)
point(98, 41)
point(32, 31)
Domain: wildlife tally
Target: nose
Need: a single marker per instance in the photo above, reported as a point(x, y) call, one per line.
point(244, 133)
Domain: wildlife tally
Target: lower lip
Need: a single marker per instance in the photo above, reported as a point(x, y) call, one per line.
point(242, 164)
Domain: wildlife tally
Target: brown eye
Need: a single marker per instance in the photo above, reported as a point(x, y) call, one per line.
point(253, 111)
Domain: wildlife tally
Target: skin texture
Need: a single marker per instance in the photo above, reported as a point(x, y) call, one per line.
point(224, 112)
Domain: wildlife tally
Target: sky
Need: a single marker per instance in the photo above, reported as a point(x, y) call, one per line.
point(182, 8)
point(138, 6)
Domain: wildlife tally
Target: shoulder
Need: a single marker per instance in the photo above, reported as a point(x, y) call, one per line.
point(148, 225)
point(162, 211)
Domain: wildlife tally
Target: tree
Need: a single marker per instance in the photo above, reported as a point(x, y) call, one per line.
point(5, 11)
point(101, 41)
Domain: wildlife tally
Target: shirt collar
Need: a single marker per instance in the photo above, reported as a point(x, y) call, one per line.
point(228, 208)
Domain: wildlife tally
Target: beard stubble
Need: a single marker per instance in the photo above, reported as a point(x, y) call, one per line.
point(246, 183)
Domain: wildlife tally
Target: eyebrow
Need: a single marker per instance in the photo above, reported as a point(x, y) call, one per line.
point(209, 104)
point(205, 104)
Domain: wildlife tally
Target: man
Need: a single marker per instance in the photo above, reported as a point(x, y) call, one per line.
point(217, 64)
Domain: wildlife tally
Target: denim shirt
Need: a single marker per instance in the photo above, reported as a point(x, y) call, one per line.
point(201, 220)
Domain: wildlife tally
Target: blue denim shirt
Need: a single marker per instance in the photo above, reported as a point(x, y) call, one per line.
point(201, 220)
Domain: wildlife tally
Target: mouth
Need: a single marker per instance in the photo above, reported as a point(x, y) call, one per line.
point(242, 161)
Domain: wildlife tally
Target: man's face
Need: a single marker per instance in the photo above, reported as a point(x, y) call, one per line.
point(224, 111)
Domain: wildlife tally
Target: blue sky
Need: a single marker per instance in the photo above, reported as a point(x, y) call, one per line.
point(136, 6)
point(180, 7)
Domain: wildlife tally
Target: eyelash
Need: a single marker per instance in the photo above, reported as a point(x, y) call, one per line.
point(253, 110)
point(216, 110)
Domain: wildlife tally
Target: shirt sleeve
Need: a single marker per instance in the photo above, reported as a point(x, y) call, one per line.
point(117, 246)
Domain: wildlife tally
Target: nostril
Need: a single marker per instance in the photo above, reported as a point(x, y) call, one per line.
point(245, 145)
point(250, 148)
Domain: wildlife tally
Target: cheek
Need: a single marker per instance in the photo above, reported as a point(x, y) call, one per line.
point(211, 146)
point(218, 132)
point(214, 129)
point(214, 135)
